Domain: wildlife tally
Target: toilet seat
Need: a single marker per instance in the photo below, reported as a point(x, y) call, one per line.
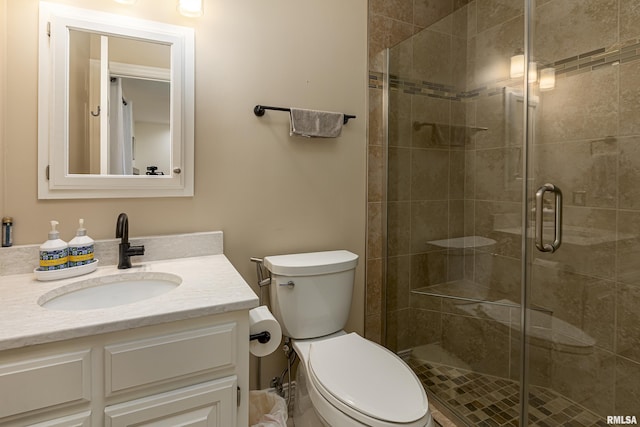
point(367, 382)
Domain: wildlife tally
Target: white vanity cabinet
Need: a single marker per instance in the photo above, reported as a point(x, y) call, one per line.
point(189, 372)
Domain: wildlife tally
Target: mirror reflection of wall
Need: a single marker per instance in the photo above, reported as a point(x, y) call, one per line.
point(81, 59)
point(122, 137)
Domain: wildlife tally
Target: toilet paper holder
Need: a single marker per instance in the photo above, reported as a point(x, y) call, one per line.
point(262, 337)
point(261, 319)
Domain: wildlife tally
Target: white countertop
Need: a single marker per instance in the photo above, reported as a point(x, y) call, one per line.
point(210, 285)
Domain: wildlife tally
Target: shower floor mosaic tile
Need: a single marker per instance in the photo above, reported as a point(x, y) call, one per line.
point(487, 401)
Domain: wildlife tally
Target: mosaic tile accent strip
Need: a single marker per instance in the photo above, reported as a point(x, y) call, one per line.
point(488, 401)
point(627, 51)
point(435, 90)
point(376, 80)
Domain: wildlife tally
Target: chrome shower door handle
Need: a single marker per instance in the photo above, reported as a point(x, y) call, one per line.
point(557, 225)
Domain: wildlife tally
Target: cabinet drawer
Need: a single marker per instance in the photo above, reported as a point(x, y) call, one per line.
point(145, 362)
point(45, 382)
point(76, 420)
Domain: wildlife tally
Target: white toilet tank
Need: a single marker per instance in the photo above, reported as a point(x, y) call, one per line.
point(311, 292)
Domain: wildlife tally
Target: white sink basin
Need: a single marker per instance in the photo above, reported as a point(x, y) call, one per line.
point(109, 291)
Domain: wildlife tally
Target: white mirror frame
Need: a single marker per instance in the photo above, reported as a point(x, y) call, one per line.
point(54, 181)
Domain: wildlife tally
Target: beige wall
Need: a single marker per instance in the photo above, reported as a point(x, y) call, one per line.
point(3, 89)
point(270, 193)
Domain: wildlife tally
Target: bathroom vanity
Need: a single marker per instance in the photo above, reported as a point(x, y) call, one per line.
point(180, 358)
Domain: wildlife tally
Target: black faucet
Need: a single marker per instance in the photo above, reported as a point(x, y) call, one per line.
point(125, 249)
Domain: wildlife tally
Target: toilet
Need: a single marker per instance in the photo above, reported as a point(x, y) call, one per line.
point(343, 380)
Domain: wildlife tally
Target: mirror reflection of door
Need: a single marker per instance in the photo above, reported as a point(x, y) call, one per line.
point(119, 105)
point(151, 132)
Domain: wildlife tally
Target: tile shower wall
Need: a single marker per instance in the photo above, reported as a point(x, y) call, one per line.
point(428, 135)
point(390, 22)
point(443, 180)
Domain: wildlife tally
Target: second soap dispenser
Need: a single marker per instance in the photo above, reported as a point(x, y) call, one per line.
point(80, 247)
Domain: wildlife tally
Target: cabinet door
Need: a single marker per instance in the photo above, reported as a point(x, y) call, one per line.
point(208, 404)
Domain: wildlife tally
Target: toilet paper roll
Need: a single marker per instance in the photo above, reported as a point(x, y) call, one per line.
point(260, 320)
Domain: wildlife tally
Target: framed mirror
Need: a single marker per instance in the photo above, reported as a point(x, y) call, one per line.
point(115, 106)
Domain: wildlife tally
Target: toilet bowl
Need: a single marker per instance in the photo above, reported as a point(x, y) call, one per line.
point(347, 381)
point(343, 379)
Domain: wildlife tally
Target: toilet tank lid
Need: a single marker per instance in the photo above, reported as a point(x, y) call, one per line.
point(311, 263)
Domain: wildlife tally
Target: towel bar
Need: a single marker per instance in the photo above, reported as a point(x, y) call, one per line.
point(258, 110)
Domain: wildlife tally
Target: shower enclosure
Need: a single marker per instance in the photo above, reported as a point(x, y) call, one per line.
point(513, 211)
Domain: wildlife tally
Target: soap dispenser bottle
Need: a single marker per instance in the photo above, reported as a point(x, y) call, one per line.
point(80, 247)
point(54, 253)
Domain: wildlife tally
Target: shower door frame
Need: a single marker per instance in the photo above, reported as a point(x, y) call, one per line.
point(526, 248)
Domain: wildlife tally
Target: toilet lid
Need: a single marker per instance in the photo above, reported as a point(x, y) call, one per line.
point(367, 378)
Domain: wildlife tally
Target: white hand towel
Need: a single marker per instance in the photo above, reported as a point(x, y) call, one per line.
point(312, 123)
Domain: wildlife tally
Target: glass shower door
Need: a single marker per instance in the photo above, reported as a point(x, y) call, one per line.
point(471, 171)
point(583, 333)
point(454, 209)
